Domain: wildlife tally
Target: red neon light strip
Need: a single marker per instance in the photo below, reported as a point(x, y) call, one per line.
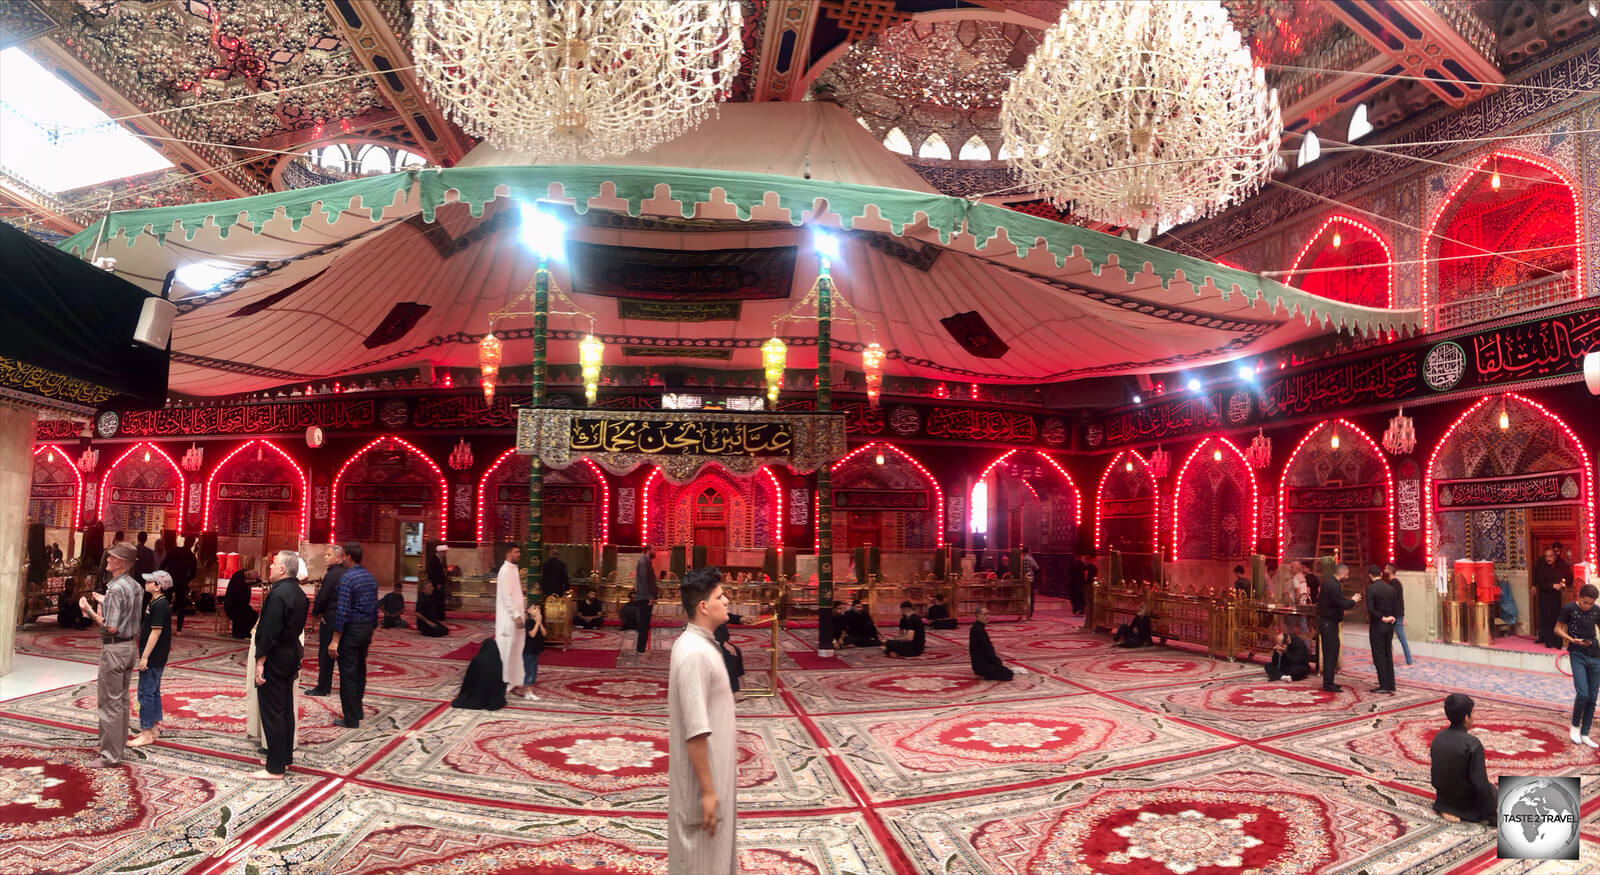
point(938, 493)
point(1255, 498)
point(77, 497)
point(182, 486)
point(1155, 490)
point(444, 487)
point(305, 498)
point(1077, 497)
point(1349, 428)
point(605, 496)
point(1388, 254)
point(777, 506)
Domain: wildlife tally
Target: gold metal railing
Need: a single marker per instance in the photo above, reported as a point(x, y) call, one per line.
point(1227, 628)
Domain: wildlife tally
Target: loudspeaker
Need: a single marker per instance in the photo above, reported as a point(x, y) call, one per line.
point(155, 323)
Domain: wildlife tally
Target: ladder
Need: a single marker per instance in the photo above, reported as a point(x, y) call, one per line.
point(1331, 538)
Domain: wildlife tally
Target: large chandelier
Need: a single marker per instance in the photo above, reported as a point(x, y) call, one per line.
point(1140, 113)
point(566, 79)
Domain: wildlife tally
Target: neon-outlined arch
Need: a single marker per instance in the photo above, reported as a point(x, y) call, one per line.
point(938, 492)
point(1077, 496)
point(1348, 428)
point(105, 481)
point(605, 496)
point(772, 479)
point(77, 497)
point(1250, 535)
point(1155, 497)
point(444, 487)
point(1358, 225)
point(305, 496)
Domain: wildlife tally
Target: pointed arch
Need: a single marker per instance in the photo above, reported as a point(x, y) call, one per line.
point(980, 486)
point(481, 508)
point(106, 481)
point(1229, 451)
point(1348, 428)
point(935, 148)
point(886, 447)
point(444, 489)
point(1124, 459)
point(767, 480)
point(897, 142)
point(77, 496)
point(305, 492)
point(975, 149)
point(1345, 242)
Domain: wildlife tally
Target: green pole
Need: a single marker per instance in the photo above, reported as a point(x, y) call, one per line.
point(824, 478)
point(535, 544)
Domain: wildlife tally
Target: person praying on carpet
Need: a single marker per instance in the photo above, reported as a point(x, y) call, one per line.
point(1382, 613)
point(118, 619)
point(702, 749)
point(155, 642)
point(1461, 787)
point(1291, 659)
point(393, 606)
point(325, 608)
point(510, 629)
point(1331, 606)
point(1552, 577)
point(278, 652)
point(859, 630)
point(732, 656)
point(1389, 572)
point(913, 634)
point(553, 575)
point(430, 622)
point(236, 603)
point(986, 663)
point(591, 613)
point(939, 615)
point(483, 688)
point(1576, 625)
point(532, 647)
point(1135, 632)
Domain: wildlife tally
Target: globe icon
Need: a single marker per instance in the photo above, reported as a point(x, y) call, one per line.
point(1538, 819)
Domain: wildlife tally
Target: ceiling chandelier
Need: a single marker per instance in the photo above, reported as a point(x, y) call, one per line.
point(565, 79)
point(1140, 113)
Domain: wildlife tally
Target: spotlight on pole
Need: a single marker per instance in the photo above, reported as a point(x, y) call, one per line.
point(1194, 384)
point(542, 232)
point(1247, 373)
point(826, 244)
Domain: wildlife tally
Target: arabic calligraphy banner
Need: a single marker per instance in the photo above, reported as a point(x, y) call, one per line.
point(1496, 359)
point(255, 491)
point(1127, 508)
point(1552, 488)
point(388, 493)
point(552, 493)
point(880, 499)
point(681, 274)
point(1334, 498)
point(682, 442)
point(52, 490)
point(131, 495)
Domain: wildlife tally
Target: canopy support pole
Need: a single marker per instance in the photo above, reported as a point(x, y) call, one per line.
point(824, 475)
point(532, 553)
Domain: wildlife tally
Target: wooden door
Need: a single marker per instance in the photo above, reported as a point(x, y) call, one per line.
point(283, 531)
point(864, 530)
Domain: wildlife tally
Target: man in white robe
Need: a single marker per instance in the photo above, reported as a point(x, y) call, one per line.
point(510, 607)
point(702, 759)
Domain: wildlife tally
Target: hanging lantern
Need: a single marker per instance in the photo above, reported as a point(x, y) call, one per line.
point(1260, 452)
point(488, 391)
point(1216, 454)
point(878, 459)
point(1159, 460)
point(1333, 442)
point(590, 353)
point(773, 354)
point(1401, 436)
point(872, 365)
point(489, 351)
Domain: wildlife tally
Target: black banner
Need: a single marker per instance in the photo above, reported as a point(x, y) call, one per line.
point(1334, 498)
point(1555, 488)
point(53, 490)
point(554, 493)
point(255, 491)
point(1126, 508)
point(678, 311)
point(880, 499)
point(131, 495)
point(388, 493)
point(681, 274)
point(682, 438)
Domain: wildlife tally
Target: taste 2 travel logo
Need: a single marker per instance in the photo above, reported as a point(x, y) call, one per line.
point(1539, 818)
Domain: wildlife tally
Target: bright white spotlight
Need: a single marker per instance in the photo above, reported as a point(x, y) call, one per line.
point(1247, 373)
point(1138, 400)
point(826, 243)
point(202, 276)
point(542, 232)
point(1194, 384)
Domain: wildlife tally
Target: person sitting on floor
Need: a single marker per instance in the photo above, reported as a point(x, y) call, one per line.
point(913, 634)
point(1461, 787)
point(986, 663)
point(859, 630)
point(591, 614)
point(483, 688)
point(393, 607)
point(836, 624)
point(1135, 632)
point(1291, 660)
point(939, 615)
point(430, 617)
point(69, 615)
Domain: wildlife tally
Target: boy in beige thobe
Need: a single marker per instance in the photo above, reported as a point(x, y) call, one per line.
point(702, 761)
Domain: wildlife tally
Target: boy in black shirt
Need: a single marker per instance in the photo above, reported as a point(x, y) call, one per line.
point(591, 613)
point(913, 635)
point(393, 607)
point(155, 642)
point(1576, 626)
point(939, 615)
point(1460, 783)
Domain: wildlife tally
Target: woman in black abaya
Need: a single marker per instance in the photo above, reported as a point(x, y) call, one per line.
point(484, 687)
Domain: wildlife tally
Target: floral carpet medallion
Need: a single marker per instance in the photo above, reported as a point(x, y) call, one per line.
point(1122, 669)
point(1255, 707)
point(395, 674)
point(896, 687)
point(83, 645)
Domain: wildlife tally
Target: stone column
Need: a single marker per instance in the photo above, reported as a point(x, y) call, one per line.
point(16, 475)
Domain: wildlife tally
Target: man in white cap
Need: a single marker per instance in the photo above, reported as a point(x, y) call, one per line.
point(118, 619)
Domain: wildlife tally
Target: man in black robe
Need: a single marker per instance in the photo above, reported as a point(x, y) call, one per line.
point(553, 575)
point(146, 563)
point(591, 613)
point(323, 607)
point(859, 630)
point(429, 623)
point(939, 615)
point(1461, 787)
point(1291, 659)
point(986, 663)
point(1383, 608)
point(181, 565)
point(913, 635)
point(1135, 632)
point(1331, 605)
point(393, 608)
point(439, 576)
point(278, 654)
point(1552, 579)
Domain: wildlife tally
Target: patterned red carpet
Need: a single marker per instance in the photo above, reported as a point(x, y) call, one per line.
point(1094, 760)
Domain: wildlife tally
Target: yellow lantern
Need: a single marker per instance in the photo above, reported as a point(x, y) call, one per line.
point(590, 353)
point(872, 366)
point(489, 354)
point(773, 355)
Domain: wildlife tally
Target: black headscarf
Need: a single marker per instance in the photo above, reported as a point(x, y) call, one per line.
point(236, 604)
point(484, 687)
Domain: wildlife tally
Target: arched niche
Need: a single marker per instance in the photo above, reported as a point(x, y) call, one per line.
point(1337, 496)
point(1024, 498)
point(1347, 260)
point(1214, 504)
point(894, 506)
point(1503, 494)
point(732, 517)
point(1507, 202)
point(55, 493)
point(383, 485)
point(1127, 506)
point(574, 508)
point(259, 491)
point(142, 491)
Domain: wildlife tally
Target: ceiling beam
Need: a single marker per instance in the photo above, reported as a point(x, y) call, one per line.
point(785, 50)
point(1453, 56)
point(374, 42)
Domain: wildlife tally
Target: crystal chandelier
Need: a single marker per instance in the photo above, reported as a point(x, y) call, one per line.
point(88, 460)
point(566, 79)
point(461, 456)
point(1159, 460)
point(1401, 436)
point(1141, 113)
point(1260, 452)
point(194, 457)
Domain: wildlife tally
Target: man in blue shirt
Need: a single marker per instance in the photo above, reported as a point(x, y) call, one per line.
point(354, 618)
